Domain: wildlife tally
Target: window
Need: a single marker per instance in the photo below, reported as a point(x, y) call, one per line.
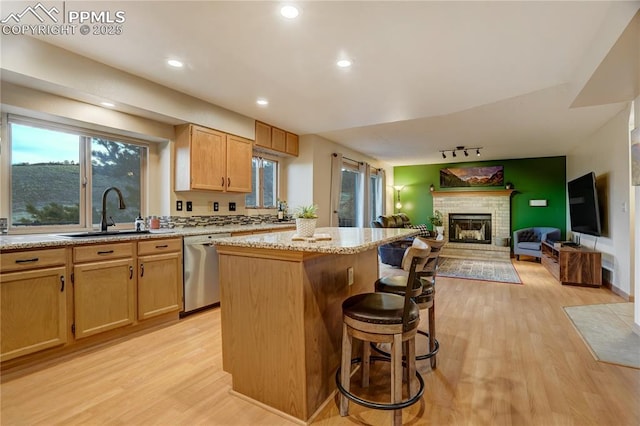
point(349, 197)
point(264, 191)
point(59, 173)
point(375, 193)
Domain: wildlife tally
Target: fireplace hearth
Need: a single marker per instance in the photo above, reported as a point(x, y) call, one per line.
point(473, 228)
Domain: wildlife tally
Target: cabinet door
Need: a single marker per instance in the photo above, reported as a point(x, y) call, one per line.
point(104, 296)
point(239, 152)
point(263, 135)
point(208, 153)
point(292, 144)
point(159, 283)
point(278, 139)
point(33, 311)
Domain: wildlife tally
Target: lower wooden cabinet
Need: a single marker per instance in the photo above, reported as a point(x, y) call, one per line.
point(55, 299)
point(159, 277)
point(33, 311)
point(104, 296)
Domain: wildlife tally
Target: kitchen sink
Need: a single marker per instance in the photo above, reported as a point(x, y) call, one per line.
point(95, 234)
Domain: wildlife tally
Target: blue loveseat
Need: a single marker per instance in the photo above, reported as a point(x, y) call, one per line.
point(528, 241)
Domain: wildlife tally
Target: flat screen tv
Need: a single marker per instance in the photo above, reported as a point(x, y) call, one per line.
point(584, 211)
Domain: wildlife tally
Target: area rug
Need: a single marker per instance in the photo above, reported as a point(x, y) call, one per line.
point(483, 270)
point(607, 330)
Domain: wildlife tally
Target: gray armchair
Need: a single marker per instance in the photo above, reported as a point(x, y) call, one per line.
point(528, 241)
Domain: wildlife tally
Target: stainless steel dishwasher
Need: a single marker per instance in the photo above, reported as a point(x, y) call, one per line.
point(201, 282)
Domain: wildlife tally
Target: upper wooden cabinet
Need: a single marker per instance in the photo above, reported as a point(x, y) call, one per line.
point(292, 144)
point(239, 153)
point(276, 140)
point(209, 160)
point(263, 135)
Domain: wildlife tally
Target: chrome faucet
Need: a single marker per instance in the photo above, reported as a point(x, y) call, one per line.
point(103, 221)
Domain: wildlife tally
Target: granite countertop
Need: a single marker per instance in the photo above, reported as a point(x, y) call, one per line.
point(343, 240)
point(30, 241)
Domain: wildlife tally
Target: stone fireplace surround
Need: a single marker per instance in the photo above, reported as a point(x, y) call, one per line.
point(494, 202)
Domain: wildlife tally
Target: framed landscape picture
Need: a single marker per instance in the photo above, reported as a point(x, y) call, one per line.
point(459, 177)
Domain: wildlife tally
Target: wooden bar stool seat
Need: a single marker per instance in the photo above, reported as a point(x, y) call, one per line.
point(384, 318)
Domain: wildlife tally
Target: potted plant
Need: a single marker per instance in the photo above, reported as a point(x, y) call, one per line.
point(306, 218)
point(436, 220)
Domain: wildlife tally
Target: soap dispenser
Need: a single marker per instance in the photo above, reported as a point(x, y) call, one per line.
point(139, 223)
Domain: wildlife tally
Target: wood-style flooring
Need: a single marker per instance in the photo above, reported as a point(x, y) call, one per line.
point(509, 355)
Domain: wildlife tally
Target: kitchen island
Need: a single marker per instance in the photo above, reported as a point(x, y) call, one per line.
point(281, 309)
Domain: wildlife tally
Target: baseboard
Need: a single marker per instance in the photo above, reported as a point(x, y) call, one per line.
point(619, 292)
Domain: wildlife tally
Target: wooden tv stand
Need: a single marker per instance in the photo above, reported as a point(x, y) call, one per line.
point(573, 265)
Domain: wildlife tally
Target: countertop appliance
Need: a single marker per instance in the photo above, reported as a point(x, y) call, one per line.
point(201, 286)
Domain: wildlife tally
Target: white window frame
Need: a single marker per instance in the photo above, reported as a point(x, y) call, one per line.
point(85, 172)
point(260, 182)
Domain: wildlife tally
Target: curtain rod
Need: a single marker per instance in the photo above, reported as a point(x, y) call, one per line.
point(349, 159)
point(355, 161)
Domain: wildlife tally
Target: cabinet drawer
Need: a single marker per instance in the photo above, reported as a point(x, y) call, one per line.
point(159, 246)
point(102, 251)
point(21, 260)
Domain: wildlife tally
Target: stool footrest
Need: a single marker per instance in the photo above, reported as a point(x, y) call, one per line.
point(436, 347)
point(380, 405)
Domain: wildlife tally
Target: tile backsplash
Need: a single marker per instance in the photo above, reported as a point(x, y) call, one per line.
point(217, 220)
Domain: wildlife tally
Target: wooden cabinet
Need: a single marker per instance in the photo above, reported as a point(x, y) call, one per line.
point(263, 135)
point(33, 302)
point(573, 265)
point(276, 140)
point(209, 160)
point(238, 155)
point(104, 287)
point(292, 144)
point(159, 277)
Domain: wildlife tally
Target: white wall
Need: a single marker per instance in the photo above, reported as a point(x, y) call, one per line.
point(310, 174)
point(606, 153)
point(635, 213)
point(67, 87)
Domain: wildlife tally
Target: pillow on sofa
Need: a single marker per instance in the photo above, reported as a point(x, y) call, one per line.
point(528, 237)
point(424, 231)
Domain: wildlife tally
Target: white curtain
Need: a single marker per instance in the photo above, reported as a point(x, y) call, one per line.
point(336, 187)
point(364, 215)
point(382, 192)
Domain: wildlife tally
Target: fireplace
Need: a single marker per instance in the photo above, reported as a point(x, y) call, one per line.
point(472, 228)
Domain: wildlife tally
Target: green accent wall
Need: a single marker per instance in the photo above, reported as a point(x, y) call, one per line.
point(532, 179)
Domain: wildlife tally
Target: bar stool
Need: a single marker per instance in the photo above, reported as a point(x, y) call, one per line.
point(384, 318)
point(425, 300)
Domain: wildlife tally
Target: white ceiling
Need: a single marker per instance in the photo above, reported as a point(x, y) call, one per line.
point(426, 76)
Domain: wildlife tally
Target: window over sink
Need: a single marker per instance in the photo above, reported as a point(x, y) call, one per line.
point(59, 172)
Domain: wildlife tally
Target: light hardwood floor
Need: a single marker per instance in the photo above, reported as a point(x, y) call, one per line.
point(509, 356)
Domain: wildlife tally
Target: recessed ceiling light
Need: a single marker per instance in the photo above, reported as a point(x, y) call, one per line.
point(289, 12)
point(343, 63)
point(175, 63)
point(107, 104)
point(262, 102)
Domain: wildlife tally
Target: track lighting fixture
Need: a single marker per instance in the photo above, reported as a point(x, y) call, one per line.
point(463, 149)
